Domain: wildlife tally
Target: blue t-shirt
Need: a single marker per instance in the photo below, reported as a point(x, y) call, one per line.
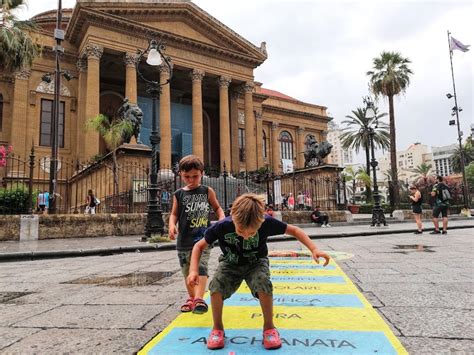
point(237, 250)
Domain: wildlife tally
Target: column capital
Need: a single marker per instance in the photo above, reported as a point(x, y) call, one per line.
point(163, 68)
point(300, 130)
point(130, 59)
point(235, 93)
point(248, 86)
point(81, 65)
point(258, 115)
point(94, 51)
point(23, 74)
point(275, 126)
point(197, 74)
point(224, 81)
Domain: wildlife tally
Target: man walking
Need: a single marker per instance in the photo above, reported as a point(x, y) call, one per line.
point(442, 196)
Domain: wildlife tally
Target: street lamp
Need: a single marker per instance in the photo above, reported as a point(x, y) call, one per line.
point(155, 58)
point(378, 216)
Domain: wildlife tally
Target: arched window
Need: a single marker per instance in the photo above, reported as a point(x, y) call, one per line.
point(264, 144)
point(1, 111)
point(286, 145)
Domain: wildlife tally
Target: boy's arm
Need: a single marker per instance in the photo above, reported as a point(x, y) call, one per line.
point(193, 276)
point(299, 234)
point(215, 204)
point(173, 231)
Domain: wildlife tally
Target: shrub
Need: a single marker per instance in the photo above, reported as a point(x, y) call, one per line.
point(15, 200)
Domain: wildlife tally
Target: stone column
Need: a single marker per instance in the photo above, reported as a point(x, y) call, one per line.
point(224, 124)
point(275, 149)
point(234, 129)
point(81, 65)
point(300, 150)
point(198, 144)
point(93, 54)
point(19, 124)
point(250, 146)
point(165, 119)
point(130, 60)
point(259, 139)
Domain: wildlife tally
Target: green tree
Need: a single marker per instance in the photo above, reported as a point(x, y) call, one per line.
point(423, 170)
point(468, 150)
point(17, 47)
point(112, 131)
point(359, 176)
point(390, 77)
point(356, 135)
point(470, 175)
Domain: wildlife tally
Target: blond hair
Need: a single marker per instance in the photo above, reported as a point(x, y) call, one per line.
point(248, 211)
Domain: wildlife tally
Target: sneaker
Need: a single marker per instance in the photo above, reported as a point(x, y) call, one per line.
point(216, 340)
point(418, 232)
point(328, 225)
point(444, 232)
point(323, 226)
point(271, 339)
point(435, 232)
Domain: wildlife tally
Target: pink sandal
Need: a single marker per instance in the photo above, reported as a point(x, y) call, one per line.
point(216, 340)
point(271, 339)
point(188, 306)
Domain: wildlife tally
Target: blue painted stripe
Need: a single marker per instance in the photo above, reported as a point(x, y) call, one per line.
point(249, 341)
point(344, 300)
point(302, 266)
point(304, 258)
point(321, 279)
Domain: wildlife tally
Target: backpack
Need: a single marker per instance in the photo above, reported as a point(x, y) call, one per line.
point(444, 194)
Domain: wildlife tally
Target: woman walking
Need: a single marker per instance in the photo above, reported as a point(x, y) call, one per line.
point(415, 197)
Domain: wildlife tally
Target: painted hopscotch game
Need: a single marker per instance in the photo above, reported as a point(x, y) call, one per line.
point(317, 310)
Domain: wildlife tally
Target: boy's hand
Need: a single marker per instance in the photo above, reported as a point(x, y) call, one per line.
point(173, 232)
point(193, 279)
point(320, 254)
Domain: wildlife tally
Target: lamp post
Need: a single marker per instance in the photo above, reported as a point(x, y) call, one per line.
point(155, 58)
point(378, 216)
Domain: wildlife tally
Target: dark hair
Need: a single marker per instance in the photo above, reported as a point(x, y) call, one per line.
point(190, 162)
point(440, 178)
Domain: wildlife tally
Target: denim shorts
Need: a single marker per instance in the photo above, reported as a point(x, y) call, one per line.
point(228, 278)
point(184, 258)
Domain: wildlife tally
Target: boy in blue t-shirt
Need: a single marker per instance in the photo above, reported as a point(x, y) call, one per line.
point(242, 238)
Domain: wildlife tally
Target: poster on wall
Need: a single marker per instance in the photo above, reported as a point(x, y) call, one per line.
point(140, 191)
point(287, 166)
point(277, 193)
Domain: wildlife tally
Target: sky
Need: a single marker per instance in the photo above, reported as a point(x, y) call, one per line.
point(319, 52)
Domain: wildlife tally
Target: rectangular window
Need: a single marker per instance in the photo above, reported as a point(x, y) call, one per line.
point(46, 121)
point(241, 144)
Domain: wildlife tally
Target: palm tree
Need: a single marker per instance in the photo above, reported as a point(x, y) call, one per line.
point(356, 135)
point(356, 176)
point(17, 47)
point(468, 151)
point(112, 131)
point(391, 76)
point(423, 170)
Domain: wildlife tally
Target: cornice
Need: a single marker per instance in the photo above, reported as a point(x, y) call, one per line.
point(275, 109)
point(86, 16)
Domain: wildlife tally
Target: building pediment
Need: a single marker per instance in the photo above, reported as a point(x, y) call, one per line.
point(179, 23)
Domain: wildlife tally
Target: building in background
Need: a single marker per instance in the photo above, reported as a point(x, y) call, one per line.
point(407, 160)
point(442, 159)
point(339, 156)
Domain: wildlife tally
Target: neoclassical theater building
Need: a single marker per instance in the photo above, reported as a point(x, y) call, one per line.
point(213, 106)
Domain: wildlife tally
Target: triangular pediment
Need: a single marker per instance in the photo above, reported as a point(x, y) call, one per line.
point(182, 20)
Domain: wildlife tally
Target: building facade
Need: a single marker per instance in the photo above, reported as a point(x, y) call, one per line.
point(213, 106)
point(338, 156)
point(442, 159)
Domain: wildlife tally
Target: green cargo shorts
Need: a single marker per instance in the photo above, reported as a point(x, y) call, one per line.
point(228, 278)
point(184, 258)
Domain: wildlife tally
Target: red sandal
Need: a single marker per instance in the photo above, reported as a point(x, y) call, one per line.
point(199, 306)
point(188, 306)
point(271, 339)
point(216, 340)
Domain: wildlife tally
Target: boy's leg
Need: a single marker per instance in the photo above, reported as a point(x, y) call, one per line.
point(445, 224)
point(266, 302)
point(217, 303)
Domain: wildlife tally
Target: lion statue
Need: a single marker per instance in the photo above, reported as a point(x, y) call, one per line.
point(132, 113)
point(316, 152)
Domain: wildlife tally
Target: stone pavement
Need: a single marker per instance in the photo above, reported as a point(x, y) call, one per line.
point(421, 285)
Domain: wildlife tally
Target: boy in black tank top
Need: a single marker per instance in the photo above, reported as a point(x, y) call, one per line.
point(191, 207)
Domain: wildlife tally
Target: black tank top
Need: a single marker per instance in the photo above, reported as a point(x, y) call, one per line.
point(193, 216)
point(417, 203)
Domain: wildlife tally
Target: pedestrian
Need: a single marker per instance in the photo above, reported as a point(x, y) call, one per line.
point(284, 202)
point(242, 238)
point(318, 217)
point(91, 203)
point(42, 203)
point(415, 197)
point(291, 202)
point(165, 200)
point(191, 207)
point(300, 201)
point(308, 202)
point(269, 210)
point(441, 196)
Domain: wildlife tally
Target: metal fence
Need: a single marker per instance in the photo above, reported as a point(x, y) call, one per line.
point(123, 187)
